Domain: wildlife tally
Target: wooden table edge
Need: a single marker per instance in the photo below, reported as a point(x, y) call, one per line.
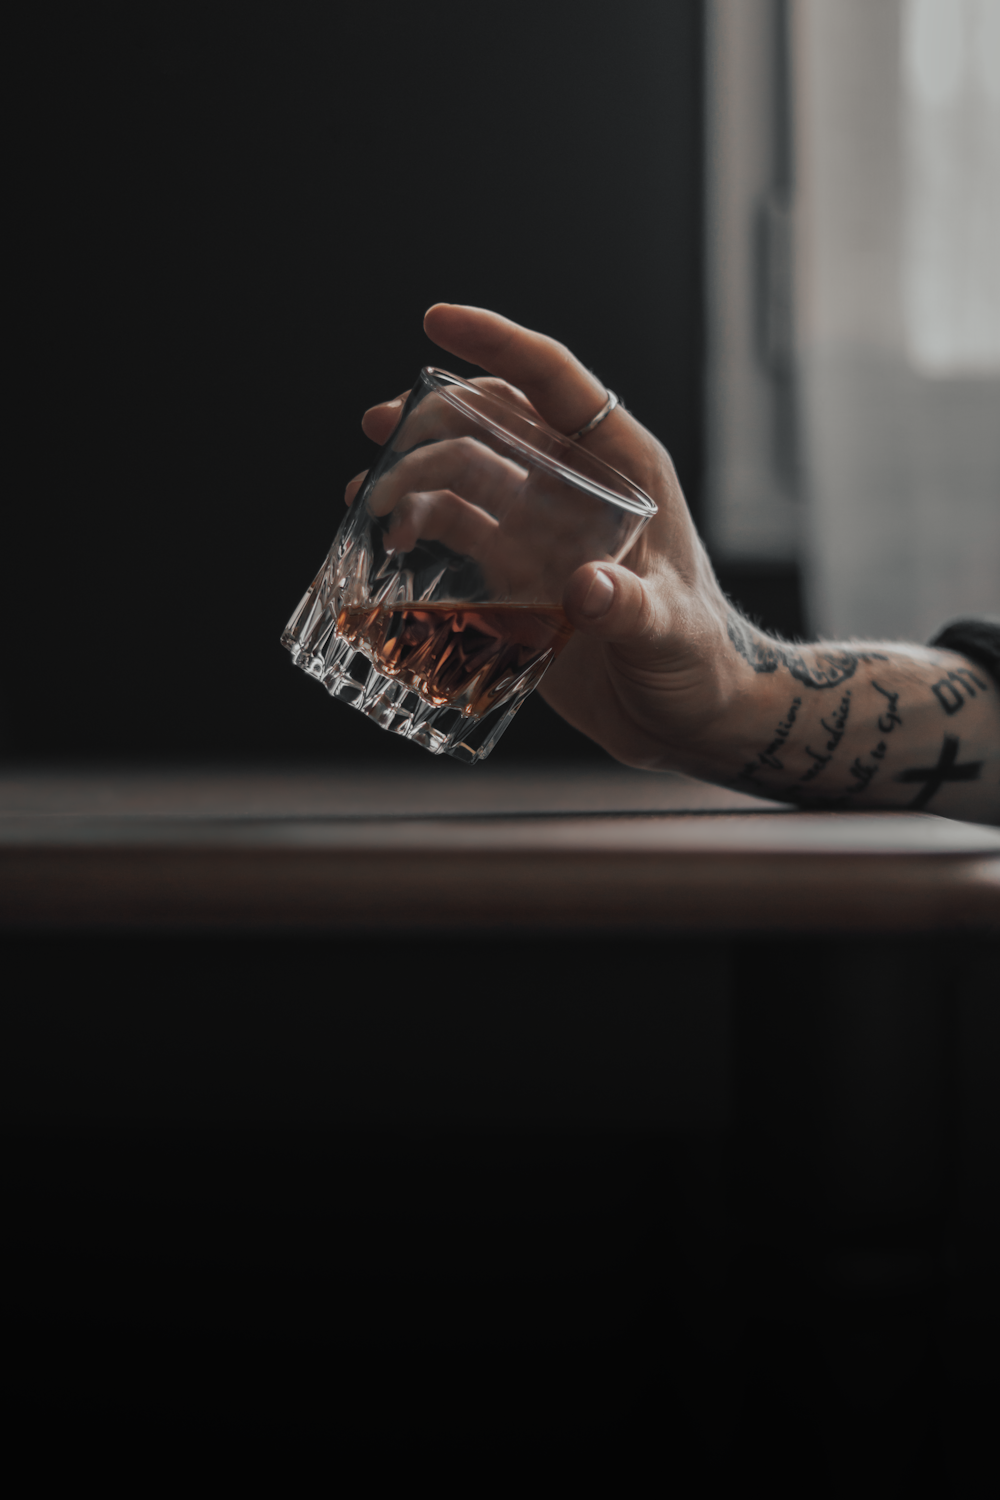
point(308, 889)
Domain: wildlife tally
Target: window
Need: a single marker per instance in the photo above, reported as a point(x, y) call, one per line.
point(951, 234)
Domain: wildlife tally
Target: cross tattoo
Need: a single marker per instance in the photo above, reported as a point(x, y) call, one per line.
point(934, 777)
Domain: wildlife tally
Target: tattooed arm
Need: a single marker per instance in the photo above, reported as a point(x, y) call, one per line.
point(847, 725)
point(886, 725)
point(664, 674)
point(830, 725)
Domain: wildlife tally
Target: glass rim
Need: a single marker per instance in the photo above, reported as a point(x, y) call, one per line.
point(636, 500)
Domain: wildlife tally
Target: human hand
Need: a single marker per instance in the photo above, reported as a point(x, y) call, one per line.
point(649, 670)
point(664, 673)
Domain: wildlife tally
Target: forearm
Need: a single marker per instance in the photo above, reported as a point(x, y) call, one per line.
point(859, 726)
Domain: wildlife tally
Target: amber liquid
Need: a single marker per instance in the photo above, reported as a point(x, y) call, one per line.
point(468, 656)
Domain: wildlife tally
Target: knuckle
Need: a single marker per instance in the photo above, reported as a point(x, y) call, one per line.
point(468, 450)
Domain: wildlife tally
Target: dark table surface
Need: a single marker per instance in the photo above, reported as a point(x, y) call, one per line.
point(451, 847)
point(717, 1089)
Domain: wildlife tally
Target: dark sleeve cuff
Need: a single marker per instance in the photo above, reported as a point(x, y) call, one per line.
point(979, 640)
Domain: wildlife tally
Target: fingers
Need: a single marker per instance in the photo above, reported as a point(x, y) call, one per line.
point(379, 422)
point(506, 392)
point(460, 464)
point(611, 603)
point(441, 516)
point(433, 419)
point(542, 378)
point(559, 387)
point(354, 485)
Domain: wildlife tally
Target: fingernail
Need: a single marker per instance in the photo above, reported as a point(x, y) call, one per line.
point(598, 598)
point(392, 405)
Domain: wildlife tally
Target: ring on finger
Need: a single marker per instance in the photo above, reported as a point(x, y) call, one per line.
point(605, 411)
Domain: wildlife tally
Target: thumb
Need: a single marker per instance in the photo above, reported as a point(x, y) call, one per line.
point(610, 603)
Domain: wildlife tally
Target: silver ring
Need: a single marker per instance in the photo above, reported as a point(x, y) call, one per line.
point(605, 411)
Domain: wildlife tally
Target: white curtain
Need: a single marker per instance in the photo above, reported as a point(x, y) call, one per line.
point(897, 302)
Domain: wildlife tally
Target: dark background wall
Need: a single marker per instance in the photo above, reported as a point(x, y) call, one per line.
point(236, 216)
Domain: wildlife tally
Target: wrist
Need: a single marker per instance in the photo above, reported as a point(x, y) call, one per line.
point(769, 692)
point(753, 710)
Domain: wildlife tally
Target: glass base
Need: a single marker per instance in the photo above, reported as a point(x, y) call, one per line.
point(347, 674)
